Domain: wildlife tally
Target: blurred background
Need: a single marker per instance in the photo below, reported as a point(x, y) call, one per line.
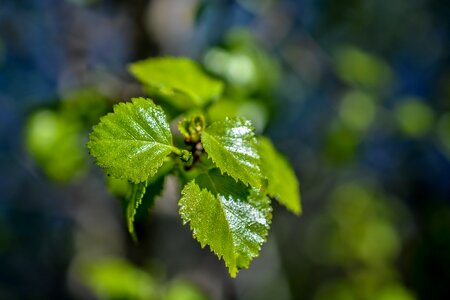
point(356, 93)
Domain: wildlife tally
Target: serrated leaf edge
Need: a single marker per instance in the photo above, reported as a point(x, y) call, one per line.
point(92, 138)
point(131, 210)
point(233, 272)
point(246, 182)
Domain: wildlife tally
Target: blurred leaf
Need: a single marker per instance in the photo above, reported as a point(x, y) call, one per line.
point(336, 290)
point(394, 292)
point(362, 69)
point(375, 241)
point(237, 68)
point(232, 145)
point(182, 81)
point(55, 143)
point(117, 279)
point(341, 143)
point(134, 200)
point(226, 215)
point(357, 110)
point(182, 290)
point(358, 229)
point(283, 184)
point(118, 187)
point(132, 142)
point(223, 108)
point(256, 112)
point(253, 110)
point(85, 104)
point(414, 117)
point(244, 65)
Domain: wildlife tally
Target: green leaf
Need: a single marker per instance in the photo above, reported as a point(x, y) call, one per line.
point(180, 289)
point(180, 81)
point(134, 200)
point(132, 142)
point(232, 145)
point(154, 189)
point(228, 216)
point(191, 127)
point(139, 197)
point(282, 182)
point(116, 278)
point(56, 144)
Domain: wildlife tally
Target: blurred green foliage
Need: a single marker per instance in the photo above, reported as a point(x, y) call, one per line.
point(357, 110)
point(84, 105)
point(282, 182)
point(116, 279)
point(56, 144)
point(252, 77)
point(414, 117)
point(55, 138)
point(243, 64)
point(361, 69)
point(182, 290)
point(179, 81)
point(341, 143)
point(360, 234)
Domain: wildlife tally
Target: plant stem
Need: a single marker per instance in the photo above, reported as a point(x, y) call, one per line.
point(176, 150)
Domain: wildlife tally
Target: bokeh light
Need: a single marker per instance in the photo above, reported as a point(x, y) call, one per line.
point(414, 118)
point(355, 94)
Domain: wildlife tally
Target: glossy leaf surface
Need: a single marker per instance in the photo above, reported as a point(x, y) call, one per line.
point(132, 142)
point(228, 216)
point(282, 182)
point(232, 145)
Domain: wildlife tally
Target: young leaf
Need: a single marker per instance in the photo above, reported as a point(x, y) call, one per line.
point(181, 80)
point(155, 187)
point(132, 142)
point(232, 145)
point(229, 217)
point(191, 127)
point(134, 200)
point(282, 182)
